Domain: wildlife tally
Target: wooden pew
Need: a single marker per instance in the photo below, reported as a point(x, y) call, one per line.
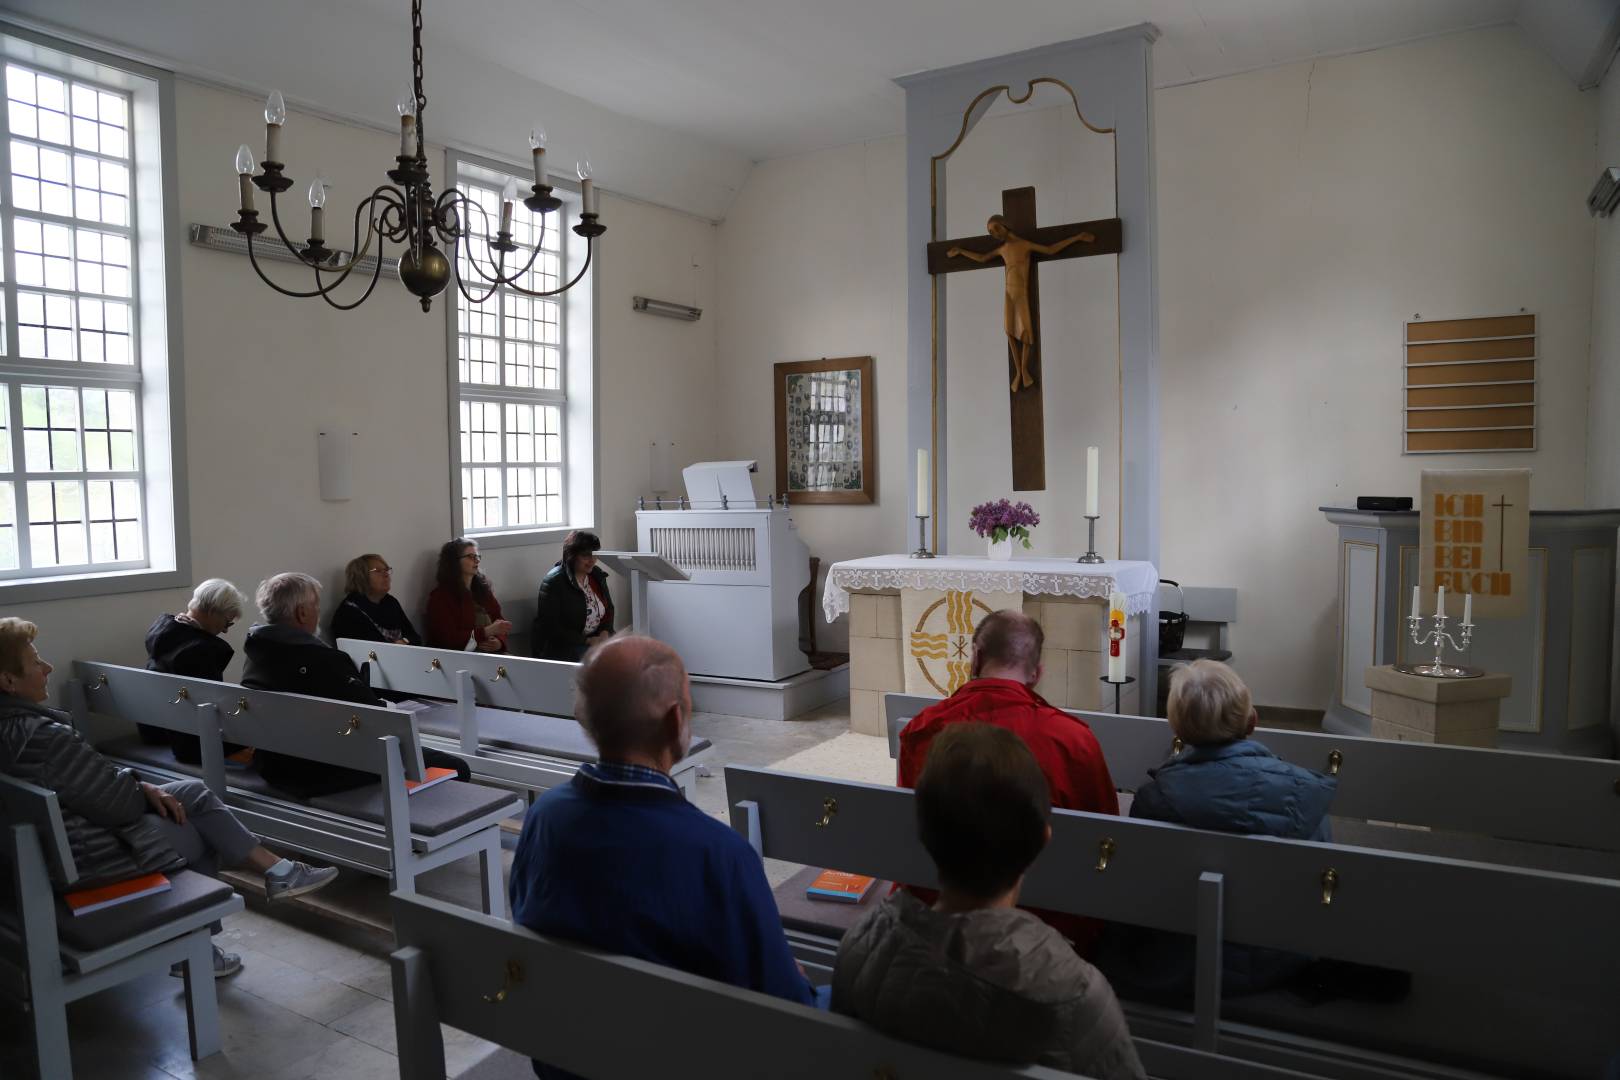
point(493, 725)
point(544, 998)
point(1500, 956)
point(1541, 799)
point(49, 958)
point(380, 830)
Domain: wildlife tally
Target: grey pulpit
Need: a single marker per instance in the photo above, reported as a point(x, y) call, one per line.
point(1558, 653)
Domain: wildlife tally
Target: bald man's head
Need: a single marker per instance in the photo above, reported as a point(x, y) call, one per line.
point(1007, 644)
point(634, 702)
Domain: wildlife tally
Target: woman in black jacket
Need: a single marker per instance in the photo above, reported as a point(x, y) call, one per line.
point(574, 610)
point(117, 825)
point(193, 643)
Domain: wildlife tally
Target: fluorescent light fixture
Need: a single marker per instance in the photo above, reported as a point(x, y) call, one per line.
point(666, 308)
point(1606, 194)
point(223, 239)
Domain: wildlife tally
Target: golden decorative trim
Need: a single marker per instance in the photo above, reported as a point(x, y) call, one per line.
point(1029, 92)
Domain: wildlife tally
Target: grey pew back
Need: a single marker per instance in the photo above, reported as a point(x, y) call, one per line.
point(494, 697)
point(1435, 918)
point(1499, 793)
point(48, 965)
point(383, 831)
point(543, 998)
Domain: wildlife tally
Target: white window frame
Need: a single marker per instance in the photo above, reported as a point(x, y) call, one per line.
point(577, 393)
point(155, 300)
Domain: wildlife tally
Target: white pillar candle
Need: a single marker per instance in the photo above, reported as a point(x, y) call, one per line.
point(922, 483)
point(1440, 601)
point(1415, 612)
point(1468, 609)
point(1118, 624)
point(1091, 481)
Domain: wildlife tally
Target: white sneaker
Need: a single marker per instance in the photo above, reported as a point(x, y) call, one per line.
point(224, 964)
point(302, 878)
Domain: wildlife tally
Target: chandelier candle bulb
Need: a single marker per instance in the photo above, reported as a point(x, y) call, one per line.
point(922, 483)
point(537, 145)
point(275, 115)
point(317, 209)
point(508, 199)
point(244, 175)
point(587, 188)
point(1091, 481)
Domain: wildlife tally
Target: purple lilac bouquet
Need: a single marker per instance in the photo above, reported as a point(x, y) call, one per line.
point(997, 521)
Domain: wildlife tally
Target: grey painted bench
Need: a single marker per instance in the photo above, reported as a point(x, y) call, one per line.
point(511, 719)
point(376, 829)
point(49, 958)
point(543, 998)
point(1500, 956)
point(1542, 799)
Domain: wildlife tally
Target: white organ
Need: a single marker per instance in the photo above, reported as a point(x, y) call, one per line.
point(738, 616)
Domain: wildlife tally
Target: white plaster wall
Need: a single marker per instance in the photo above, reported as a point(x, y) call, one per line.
point(812, 264)
point(263, 374)
point(1603, 458)
point(1306, 213)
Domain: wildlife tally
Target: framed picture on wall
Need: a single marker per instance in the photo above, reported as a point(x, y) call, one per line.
point(825, 443)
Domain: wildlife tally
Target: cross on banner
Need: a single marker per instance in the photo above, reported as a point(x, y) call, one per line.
point(1019, 245)
point(1501, 506)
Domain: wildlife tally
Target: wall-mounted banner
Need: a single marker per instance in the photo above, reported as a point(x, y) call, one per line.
point(1474, 538)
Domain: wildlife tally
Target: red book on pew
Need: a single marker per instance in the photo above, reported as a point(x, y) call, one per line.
point(840, 887)
point(430, 776)
point(84, 901)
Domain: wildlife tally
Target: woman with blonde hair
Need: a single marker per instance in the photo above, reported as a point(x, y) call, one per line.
point(119, 826)
point(370, 612)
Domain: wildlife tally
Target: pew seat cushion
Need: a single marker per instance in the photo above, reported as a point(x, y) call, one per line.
point(526, 733)
point(440, 809)
point(828, 918)
point(188, 893)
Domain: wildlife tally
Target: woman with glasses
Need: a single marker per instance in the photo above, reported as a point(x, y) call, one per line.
point(370, 612)
point(193, 643)
point(462, 612)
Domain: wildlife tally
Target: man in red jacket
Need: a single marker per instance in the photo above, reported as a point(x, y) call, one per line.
point(1006, 667)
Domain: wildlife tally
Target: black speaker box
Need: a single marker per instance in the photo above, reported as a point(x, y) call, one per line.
point(1383, 502)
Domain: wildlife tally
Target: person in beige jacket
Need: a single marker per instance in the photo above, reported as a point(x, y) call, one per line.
point(972, 974)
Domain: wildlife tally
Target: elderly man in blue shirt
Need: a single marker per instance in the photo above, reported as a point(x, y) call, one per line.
point(618, 860)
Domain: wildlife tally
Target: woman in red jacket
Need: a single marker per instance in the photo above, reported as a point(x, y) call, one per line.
point(463, 607)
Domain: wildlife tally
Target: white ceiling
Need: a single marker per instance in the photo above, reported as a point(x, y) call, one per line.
point(673, 98)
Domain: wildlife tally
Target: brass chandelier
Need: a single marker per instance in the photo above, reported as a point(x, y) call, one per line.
point(406, 213)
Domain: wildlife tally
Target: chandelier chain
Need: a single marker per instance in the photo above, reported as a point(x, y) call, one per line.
point(416, 75)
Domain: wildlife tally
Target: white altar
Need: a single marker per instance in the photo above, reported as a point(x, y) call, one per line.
point(945, 598)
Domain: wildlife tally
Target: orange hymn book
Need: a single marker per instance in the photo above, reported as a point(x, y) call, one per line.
point(839, 886)
point(85, 901)
point(430, 776)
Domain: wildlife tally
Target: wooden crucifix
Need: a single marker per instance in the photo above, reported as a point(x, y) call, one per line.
point(1020, 246)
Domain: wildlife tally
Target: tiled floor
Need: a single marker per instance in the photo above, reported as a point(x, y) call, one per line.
point(313, 999)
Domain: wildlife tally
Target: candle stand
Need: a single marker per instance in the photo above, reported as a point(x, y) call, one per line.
point(1091, 555)
point(922, 551)
point(1117, 685)
point(1438, 668)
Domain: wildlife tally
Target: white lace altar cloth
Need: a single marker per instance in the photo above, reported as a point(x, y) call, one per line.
point(1037, 577)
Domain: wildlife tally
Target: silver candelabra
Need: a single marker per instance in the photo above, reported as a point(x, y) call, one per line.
point(1438, 668)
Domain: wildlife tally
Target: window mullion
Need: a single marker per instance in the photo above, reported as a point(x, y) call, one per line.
point(19, 492)
point(9, 224)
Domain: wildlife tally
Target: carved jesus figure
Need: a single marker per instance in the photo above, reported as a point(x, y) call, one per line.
point(1014, 253)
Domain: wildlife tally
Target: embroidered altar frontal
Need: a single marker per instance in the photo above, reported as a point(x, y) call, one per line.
point(911, 624)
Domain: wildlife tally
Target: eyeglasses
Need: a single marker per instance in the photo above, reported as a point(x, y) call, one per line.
point(381, 570)
point(473, 555)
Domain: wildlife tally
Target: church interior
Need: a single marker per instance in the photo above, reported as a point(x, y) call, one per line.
point(1306, 317)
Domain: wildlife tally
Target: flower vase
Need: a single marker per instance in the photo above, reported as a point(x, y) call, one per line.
point(1001, 550)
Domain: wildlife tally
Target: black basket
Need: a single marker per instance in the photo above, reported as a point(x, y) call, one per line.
point(1172, 624)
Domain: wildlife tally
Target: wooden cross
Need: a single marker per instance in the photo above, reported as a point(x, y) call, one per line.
point(1024, 344)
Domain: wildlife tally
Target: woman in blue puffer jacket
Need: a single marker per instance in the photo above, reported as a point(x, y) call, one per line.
point(1224, 781)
